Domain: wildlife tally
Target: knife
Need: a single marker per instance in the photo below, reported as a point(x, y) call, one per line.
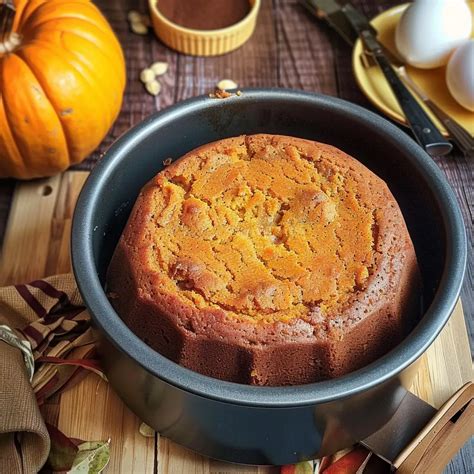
point(425, 131)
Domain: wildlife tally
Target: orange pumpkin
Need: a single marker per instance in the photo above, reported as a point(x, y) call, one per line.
point(62, 79)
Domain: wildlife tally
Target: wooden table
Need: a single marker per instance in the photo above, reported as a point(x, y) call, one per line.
point(288, 49)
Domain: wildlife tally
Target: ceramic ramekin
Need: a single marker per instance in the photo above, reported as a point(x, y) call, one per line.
point(203, 42)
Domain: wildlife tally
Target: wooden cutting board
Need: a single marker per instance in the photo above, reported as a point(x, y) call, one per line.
point(36, 244)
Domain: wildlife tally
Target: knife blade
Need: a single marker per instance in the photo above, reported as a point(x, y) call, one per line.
point(425, 131)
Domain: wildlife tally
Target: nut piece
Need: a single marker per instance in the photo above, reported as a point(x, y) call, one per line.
point(153, 87)
point(139, 28)
point(134, 16)
point(159, 68)
point(226, 84)
point(147, 75)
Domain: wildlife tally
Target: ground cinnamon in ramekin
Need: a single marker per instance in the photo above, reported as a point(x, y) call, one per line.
point(204, 14)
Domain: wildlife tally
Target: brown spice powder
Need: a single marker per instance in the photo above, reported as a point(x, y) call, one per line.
point(204, 14)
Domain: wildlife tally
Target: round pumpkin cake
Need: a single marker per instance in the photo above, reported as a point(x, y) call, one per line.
point(266, 260)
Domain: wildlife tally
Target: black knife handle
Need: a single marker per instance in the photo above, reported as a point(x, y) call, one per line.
point(425, 131)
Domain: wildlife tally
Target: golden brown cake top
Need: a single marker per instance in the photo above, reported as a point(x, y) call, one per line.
point(266, 228)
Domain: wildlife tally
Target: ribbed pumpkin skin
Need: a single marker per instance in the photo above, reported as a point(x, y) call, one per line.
point(60, 90)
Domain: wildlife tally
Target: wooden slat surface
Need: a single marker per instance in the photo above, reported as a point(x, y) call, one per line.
point(288, 49)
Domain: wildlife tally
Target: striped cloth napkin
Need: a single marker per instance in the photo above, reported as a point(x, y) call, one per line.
point(45, 344)
point(46, 347)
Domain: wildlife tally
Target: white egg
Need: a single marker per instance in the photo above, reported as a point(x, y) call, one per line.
point(430, 30)
point(460, 75)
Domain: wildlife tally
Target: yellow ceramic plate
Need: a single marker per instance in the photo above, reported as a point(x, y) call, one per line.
point(432, 81)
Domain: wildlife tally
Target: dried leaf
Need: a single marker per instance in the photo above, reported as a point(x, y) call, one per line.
point(349, 463)
point(53, 379)
point(305, 467)
point(89, 364)
point(92, 458)
point(324, 463)
point(63, 451)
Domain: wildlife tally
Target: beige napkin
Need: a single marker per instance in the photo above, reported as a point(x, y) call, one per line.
point(44, 320)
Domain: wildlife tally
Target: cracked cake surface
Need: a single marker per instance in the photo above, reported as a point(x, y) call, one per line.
point(268, 260)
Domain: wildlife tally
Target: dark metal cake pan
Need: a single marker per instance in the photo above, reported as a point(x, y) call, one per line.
point(266, 425)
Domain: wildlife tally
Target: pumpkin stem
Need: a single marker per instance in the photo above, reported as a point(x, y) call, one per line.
point(8, 39)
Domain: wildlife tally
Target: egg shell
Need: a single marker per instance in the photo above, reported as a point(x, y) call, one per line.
point(430, 30)
point(460, 75)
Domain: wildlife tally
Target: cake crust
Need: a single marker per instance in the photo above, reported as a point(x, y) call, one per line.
point(266, 260)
